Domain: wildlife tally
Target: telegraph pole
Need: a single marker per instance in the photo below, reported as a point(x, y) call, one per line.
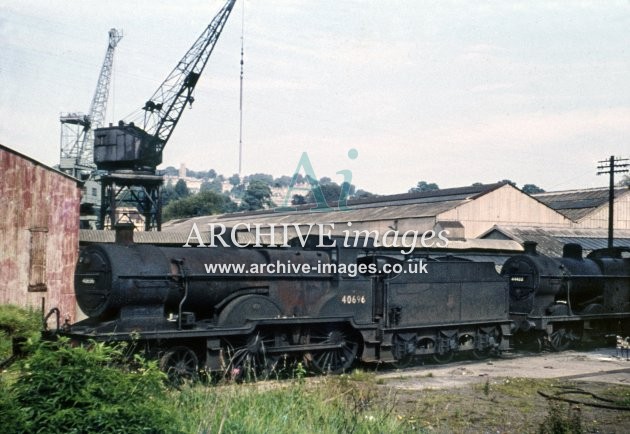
point(611, 166)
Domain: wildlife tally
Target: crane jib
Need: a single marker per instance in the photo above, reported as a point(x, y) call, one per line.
point(129, 147)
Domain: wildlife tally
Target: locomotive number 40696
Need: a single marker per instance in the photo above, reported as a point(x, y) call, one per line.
point(353, 299)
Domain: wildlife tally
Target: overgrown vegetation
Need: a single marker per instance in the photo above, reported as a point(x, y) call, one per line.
point(337, 404)
point(61, 388)
point(16, 322)
point(102, 388)
point(203, 203)
point(562, 419)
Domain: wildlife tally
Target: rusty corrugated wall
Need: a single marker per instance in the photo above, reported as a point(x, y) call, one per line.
point(39, 230)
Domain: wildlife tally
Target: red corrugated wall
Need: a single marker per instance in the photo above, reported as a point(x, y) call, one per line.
point(39, 234)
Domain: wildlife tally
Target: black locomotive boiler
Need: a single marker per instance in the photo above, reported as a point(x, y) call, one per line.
point(328, 308)
point(557, 302)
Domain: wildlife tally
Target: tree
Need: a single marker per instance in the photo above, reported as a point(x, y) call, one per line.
point(181, 189)
point(203, 203)
point(424, 186)
point(298, 199)
point(347, 190)
point(213, 185)
point(532, 189)
point(331, 192)
point(625, 181)
point(325, 180)
point(283, 181)
point(168, 193)
point(212, 174)
point(235, 180)
point(257, 196)
point(362, 194)
point(263, 177)
point(508, 181)
point(170, 171)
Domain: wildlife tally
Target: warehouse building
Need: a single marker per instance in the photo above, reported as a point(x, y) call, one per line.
point(588, 208)
point(473, 216)
point(466, 212)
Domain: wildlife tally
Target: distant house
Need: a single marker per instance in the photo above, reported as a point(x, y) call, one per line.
point(39, 230)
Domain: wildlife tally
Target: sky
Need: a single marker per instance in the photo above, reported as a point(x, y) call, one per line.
point(450, 92)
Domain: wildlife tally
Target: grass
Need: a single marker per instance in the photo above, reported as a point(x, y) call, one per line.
point(328, 405)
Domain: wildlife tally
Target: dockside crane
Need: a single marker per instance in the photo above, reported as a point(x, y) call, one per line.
point(130, 153)
point(77, 129)
point(76, 156)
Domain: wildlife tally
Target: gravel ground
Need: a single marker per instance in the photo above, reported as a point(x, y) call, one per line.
point(601, 365)
point(570, 392)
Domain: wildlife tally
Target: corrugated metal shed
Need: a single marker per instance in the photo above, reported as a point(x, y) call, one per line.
point(400, 207)
point(39, 227)
point(176, 239)
point(552, 240)
point(595, 243)
point(577, 204)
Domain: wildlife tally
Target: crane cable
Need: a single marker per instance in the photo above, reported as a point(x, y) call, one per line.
point(240, 134)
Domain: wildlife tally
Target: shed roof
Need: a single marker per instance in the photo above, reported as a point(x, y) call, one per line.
point(552, 240)
point(38, 163)
point(397, 206)
point(89, 236)
point(577, 204)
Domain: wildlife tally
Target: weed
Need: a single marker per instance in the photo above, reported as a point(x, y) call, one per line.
point(562, 419)
point(299, 372)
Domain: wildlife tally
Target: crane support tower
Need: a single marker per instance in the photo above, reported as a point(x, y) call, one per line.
point(77, 133)
point(130, 153)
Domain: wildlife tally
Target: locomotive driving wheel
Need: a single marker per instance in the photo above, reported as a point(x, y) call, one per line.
point(444, 357)
point(180, 365)
point(339, 357)
point(249, 359)
point(562, 339)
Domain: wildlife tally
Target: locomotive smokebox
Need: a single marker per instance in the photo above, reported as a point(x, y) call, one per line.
point(109, 277)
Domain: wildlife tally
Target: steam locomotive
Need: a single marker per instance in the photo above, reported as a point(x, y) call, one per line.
point(230, 309)
point(560, 301)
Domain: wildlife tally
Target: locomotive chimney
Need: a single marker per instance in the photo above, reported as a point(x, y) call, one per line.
point(530, 247)
point(124, 233)
point(572, 250)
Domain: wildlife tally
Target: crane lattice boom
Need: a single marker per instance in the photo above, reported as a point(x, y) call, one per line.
point(77, 152)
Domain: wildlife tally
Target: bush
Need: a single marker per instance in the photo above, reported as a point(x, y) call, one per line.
point(68, 389)
point(562, 420)
point(19, 323)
